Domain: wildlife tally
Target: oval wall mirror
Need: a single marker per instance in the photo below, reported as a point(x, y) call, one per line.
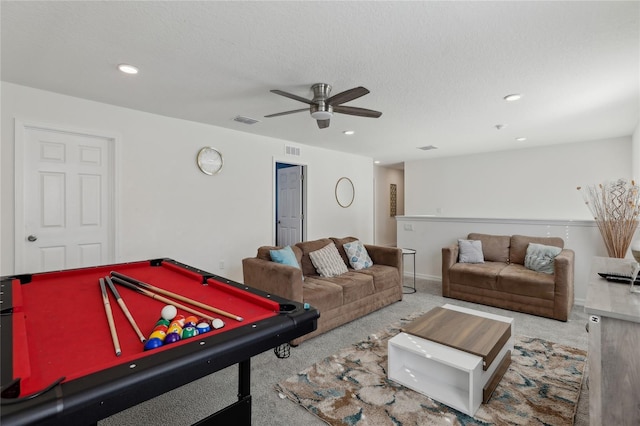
point(345, 192)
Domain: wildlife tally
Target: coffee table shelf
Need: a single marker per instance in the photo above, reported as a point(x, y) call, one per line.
point(454, 377)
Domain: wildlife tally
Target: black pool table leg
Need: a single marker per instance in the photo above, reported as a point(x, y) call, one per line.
point(238, 413)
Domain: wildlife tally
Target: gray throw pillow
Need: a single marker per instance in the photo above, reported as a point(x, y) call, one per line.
point(470, 251)
point(328, 261)
point(540, 258)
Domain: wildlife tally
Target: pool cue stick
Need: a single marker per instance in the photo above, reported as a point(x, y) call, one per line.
point(176, 296)
point(160, 298)
point(112, 326)
point(124, 308)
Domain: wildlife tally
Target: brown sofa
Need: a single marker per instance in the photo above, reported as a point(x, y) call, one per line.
point(503, 281)
point(339, 299)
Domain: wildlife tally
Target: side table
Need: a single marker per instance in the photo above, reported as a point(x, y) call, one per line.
point(409, 252)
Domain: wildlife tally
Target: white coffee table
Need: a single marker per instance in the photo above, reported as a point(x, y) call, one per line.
point(461, 379)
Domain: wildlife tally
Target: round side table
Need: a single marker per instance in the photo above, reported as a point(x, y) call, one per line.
point(409, 252)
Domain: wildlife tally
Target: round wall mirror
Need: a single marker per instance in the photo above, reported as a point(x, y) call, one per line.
point(345, 192)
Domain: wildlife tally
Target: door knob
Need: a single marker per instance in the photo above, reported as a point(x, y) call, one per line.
point(32, 238)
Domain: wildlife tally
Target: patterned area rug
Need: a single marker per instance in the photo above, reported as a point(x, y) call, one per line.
point(541, 387)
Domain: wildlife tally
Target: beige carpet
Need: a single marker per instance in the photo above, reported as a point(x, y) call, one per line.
point(541, 387)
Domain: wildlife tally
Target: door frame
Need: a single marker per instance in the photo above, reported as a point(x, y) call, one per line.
point(274, 196)
point(114, 142)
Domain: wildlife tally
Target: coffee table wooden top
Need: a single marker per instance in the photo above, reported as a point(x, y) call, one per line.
point(477, 335)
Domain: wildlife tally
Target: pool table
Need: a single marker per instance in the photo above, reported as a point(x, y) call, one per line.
point(58, 360)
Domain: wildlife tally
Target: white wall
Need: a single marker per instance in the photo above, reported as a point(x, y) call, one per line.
point(168, 208)
point(385, 224)
point(635, 154)
point(531, 183)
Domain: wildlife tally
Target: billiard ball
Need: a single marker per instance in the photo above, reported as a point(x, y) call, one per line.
point(159, 334)
point(191, 320)
point(189, 332)
point(152, 344)
point(161, 327)
point(171, 338)
point(163, 321)
point(217, 323)
point(203, 327)
point(169, 312)
point(179, 319)
point(174, 328)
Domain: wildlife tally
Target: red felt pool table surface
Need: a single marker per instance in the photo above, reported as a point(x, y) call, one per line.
point(60, 327)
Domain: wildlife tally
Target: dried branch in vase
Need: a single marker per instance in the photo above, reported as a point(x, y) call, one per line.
point(615, 207)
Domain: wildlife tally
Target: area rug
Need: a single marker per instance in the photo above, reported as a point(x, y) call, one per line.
point(541, 387)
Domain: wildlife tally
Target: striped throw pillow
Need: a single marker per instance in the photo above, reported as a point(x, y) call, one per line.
point(328, 261)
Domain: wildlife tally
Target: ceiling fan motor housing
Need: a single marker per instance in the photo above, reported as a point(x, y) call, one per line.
point(321, 110)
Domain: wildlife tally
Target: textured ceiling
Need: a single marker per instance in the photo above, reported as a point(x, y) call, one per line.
point(437, 70)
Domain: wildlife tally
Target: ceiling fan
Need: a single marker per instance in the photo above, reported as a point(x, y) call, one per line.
point(322, 106)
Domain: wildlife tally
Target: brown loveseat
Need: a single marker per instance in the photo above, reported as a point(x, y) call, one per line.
point(503, 281)
point(339, 299)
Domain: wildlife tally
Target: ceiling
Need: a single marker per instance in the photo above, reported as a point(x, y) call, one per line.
point(438, 71)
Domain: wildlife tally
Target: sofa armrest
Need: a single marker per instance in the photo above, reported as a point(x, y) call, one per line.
point(564, 276)
point(275, 278)
point(383, 255)
point(449, 258)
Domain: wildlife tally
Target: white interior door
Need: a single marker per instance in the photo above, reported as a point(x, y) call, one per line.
point(289, 217)
point(67, 191)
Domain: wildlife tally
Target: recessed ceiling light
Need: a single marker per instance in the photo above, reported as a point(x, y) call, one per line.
point(376, 162)
point(348, 132)
point(521, 139)
point(512, 97)
point(128, 69)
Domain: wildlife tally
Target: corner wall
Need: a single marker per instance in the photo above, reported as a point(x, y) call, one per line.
point(385, 224)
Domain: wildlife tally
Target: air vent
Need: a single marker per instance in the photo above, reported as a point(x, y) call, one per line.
point(292, 150)
point(245, 120)
point(428, 147)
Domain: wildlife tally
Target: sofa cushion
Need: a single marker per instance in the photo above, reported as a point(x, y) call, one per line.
point(516, 279)
point(540, 258)
point(355, 286)
point(494, 247)
point(519, 244)
point(470, 251)
point(307, 247)
point(264, 253)
point(285, 256)
point(322, 295)
point(340, 242)
point(482, 275)
point(357, 255)
point(384, 277)
point(327, 261)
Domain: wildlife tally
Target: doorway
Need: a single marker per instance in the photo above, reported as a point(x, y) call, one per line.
point(289, 203)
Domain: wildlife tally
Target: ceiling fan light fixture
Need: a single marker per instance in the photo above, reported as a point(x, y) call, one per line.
point(322, 115)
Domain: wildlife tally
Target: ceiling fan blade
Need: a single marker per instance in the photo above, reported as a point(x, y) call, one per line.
point(286, 112)
point(323, 124)
point(347, 95)
point(292, 96)
point(362, 112)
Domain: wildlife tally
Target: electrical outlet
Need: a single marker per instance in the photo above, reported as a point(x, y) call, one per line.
point(408, 227)
point(221, 266)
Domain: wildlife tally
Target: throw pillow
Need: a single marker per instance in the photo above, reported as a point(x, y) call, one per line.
point(540, 258)
point(286, 256)
point(328, 261)
point(358, 256)
point(470, 251)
